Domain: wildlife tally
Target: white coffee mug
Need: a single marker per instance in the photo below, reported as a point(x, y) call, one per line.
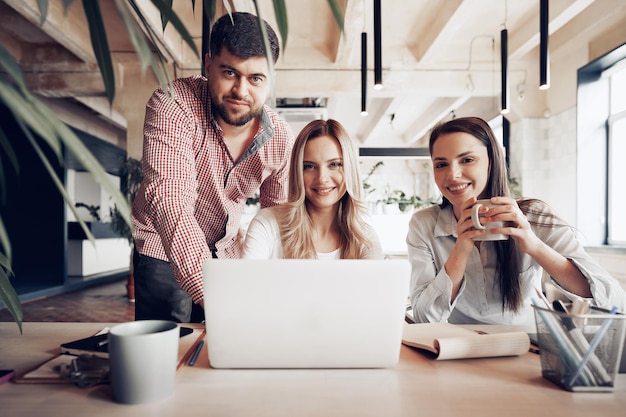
point(143, 356)
point(492, 225)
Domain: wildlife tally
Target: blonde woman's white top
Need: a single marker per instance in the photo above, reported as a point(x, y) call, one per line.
point(263, 240)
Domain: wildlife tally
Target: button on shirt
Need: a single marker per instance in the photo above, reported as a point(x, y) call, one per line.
point(431, 238)
point(193, 194)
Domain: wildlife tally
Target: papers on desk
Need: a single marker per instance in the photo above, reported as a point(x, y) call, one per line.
point(449, 341)
point(49, 370)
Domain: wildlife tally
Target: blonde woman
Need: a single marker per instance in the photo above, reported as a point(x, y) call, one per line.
point(324, 217)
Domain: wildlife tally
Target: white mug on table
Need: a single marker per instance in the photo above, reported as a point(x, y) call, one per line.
point(143, 356)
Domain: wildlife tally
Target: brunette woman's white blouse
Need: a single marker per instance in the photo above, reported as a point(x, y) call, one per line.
point(431, 237)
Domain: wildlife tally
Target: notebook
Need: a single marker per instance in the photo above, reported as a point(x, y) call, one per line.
point(304, 313)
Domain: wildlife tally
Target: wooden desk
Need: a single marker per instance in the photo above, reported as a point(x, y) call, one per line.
point(418, 386)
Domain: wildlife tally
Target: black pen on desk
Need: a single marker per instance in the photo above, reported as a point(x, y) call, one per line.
point(196, 352)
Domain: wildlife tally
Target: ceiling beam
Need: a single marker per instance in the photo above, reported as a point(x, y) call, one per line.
point(377, 109)
point(65, 84)
point(434, 18)
point(526, 36)
point(173, 48)
point(67, 28)
point(349, 45)
point(440, 108)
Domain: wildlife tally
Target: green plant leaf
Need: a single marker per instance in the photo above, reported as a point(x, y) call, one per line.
point(334, 6)
point(43, 10)
point(7, 150)
point(268, 53)
point(172, 17)
point(158, 68)
point(209, 8)
point(144, 51)
point(280, 11)
point(21, 104)
point(164, 18)
point(10, 65)
point(55, 179)
point(10, 299)
point(100, 46)
point(30, 113)
point(85, 158)
point(5, 255)
point(7, 292)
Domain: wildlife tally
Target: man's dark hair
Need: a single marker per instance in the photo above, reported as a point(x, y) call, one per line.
point(242, 36)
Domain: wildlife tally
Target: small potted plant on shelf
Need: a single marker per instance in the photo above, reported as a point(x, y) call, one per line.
point(391, 200)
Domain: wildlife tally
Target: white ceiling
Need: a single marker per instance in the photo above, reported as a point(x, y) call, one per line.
point(440, 57)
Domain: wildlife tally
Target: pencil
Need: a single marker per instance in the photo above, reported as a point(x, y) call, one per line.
point(196, 352)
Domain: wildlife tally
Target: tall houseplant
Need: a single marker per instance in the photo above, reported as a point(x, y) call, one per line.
point(131, 174)
point(43, 130)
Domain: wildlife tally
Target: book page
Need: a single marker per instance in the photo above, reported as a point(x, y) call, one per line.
point(449, 341)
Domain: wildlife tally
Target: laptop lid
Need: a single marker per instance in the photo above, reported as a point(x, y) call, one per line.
point(304, 313)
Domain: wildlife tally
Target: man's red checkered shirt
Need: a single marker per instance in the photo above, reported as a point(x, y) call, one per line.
point(193, 194)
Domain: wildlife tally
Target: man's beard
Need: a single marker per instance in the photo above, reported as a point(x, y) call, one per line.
point(236, 120)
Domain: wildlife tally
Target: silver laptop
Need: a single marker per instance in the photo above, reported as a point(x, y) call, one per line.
point(305, 313)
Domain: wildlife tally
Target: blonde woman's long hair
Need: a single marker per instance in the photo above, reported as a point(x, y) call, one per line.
point(293, 217)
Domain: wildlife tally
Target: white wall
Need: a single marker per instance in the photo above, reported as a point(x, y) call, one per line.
point(543, 158)
point(83, 188)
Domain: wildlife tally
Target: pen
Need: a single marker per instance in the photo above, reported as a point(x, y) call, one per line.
point(569, 354)
point(595, 341)
point(196, 352)
point(605, 310)
point(579, 340)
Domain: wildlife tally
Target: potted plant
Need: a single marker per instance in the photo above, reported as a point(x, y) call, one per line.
point(367, 187)
point(131, 174)
point(391, 200)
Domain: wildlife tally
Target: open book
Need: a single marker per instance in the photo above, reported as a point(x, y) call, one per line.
point(449, 341)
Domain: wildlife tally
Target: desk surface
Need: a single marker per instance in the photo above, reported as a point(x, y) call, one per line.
point(418, 386)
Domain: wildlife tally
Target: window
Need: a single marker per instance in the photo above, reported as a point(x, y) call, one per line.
point(601, 147)
point(616, 153)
